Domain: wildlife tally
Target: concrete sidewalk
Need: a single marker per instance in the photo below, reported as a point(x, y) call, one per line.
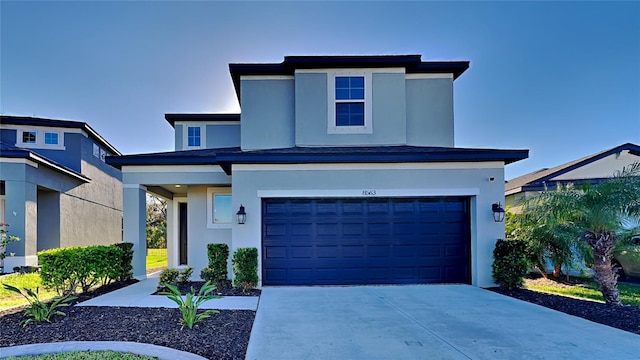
point(139, 295)
point(423, 322)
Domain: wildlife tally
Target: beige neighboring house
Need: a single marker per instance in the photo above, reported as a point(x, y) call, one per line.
point(592, 169)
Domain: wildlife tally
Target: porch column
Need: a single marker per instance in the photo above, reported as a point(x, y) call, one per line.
point(135, 225)
point(21, 213)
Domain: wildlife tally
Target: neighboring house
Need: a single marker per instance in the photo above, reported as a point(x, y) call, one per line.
point(55, 188)
point(347, 171)
point(592, 169)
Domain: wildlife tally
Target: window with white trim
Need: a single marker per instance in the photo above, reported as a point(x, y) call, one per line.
point(50, 138)
point(96, 150)
point(193, 136)
point(103, 155)
point(29, 137)
point(219, 212)
point(40, 139)
point(350, 107)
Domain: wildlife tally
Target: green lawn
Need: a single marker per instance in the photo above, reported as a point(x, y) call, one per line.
point(85, 355)
point(587, 289)
point(156, 259)
point(31, 281)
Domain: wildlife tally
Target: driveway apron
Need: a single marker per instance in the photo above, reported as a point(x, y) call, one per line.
point(423, 322)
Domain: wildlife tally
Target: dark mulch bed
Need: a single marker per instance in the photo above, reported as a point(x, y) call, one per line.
point(230, 291)
point(625, 317)
point(222, 336)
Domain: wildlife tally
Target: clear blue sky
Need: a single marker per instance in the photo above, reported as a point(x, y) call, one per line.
point(559, 78)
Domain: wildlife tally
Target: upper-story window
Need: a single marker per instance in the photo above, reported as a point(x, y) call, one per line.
point(40, 139)
point(29, 137)
point(193, 136)
point(349, 102)
point(51, 138)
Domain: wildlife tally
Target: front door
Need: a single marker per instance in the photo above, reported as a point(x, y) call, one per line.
point(182, 229)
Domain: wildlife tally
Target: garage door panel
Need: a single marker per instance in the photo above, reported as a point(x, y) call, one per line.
point(365, 241)
point(353, 229)
point(430, 251)
point(379, 251)
point(302, 252)
point(275, 252)
point(379, 229)
point(352, 207)
point(328, 251)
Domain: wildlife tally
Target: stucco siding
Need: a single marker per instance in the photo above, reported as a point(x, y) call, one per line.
point(267, 114)
point(387, 119)
point(178, 137)
point(311, 108)
point(221, 136)
point(199, 235)
point(429, 112)
point(48, 219)
point(86, 223)
point(250, 185)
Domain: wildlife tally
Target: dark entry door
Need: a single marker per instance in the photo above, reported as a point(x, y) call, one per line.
point(182, 229)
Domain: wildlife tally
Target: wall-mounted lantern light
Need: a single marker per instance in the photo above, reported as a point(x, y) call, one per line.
point(241, 215)
point(498, 212)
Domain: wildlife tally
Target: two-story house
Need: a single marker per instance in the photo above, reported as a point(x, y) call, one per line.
point(339, 169)
point(55, 188)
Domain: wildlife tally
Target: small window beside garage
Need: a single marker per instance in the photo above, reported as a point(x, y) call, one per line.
point(219, 212)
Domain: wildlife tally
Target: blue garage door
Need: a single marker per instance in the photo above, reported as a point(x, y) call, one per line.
point(365, 241)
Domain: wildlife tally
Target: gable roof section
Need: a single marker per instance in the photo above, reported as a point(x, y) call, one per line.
point(172, 118)
point(32, 121)
point(413, 64)
point(318, 155)
point(10, 151)
point(536, 179)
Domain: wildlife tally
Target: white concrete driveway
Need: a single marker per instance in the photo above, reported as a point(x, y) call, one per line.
point(423, 322)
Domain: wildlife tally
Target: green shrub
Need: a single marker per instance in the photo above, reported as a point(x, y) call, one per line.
point(66, 269)
point(216, 272)
point(510, 263)
point(245, 268)
point(168, 276)
point(189, 305)
point(185, 274)
point(37, 311)
point(126, 261)
point(173, 277)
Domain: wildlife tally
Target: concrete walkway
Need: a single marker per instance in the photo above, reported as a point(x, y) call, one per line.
point(423, 322)
point(139, 295)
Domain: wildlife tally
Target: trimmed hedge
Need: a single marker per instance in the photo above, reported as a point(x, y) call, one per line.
point(245, 267)
point(126, 260)
point(216, 272)
point(67, 269)
point(510, 263)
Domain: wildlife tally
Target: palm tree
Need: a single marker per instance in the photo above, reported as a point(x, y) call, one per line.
point(544, 238)
point(595, 216)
